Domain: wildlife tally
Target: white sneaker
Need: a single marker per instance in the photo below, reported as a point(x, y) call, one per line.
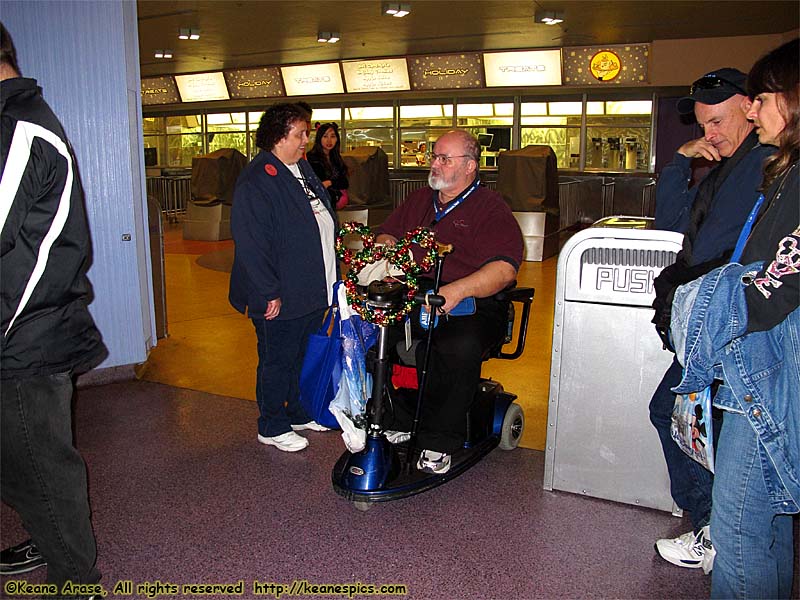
point(288, 442)
point(687, 550)
point(397, 437)
point(709, 554)
point(431, 461)
point(312, 425)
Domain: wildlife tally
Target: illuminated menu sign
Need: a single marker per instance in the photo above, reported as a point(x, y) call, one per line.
point(200, 87)
point(517, 69)
point(159, 90)
point(307, 80)
point(382, 75)
point(446, 71)
point(255, 83)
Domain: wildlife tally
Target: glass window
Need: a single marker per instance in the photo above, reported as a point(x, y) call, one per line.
point(153, 125)
point(471, 115)
point(420, 126)
point(564, 140)
point(226, 122)
point(157, 142)
point(253, 119)
point(185, 124)
point(182, 148)
point(227, 130)
point(369, 126)
point(556, 124)
point(218, 141)
point(327, 115)
point(618, 139)
point(415, 115)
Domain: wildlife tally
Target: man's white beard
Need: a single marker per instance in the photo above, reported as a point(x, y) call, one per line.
point(437, 183)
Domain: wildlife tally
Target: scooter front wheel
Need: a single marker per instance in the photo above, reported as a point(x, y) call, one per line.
point(362, 505)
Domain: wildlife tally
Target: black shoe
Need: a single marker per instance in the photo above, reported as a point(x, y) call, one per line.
point(21, 558)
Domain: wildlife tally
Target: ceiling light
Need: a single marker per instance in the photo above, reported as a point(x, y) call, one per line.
point(189, 33)
point(549, 17)
point(163, 54)
point(396, 9)
point(329, 37)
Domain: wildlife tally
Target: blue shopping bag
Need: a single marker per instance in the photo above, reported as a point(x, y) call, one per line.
point(322, 369)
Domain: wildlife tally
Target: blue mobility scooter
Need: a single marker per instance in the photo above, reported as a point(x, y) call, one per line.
point(384, 471)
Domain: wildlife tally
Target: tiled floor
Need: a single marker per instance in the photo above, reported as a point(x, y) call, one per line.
point(211, 347)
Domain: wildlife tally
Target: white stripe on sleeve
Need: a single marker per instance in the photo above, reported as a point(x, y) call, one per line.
point(18, 156)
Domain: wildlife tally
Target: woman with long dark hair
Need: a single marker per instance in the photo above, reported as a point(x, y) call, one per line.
point(326, 160)
point(744, 328)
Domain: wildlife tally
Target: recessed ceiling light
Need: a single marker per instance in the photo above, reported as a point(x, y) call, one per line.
point(189, 33)
point(329, 37)
point(396, 9)
point(549, 17)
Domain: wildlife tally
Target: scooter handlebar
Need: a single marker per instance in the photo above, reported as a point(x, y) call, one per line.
point(429, 299)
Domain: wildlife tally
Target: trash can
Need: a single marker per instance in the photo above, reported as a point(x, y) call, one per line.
point(607, 361)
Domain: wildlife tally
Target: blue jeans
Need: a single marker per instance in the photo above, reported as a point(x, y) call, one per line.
point(281, 349)
point(43, 477)
point(753, 544)
point(689, 482)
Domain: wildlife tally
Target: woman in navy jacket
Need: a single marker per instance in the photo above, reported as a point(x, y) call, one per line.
point(284, 267)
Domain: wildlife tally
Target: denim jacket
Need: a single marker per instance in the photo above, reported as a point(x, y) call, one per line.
point(760, 370)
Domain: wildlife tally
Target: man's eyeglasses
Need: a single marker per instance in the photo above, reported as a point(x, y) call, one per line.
point(447, 161)
point(710, 82)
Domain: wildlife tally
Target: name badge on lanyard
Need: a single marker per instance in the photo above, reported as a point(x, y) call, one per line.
point(442, 213)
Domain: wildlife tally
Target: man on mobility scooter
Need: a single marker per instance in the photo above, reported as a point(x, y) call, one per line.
point(488, 251)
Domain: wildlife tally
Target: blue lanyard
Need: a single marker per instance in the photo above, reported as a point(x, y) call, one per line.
point(746, 228)
point(440, 214)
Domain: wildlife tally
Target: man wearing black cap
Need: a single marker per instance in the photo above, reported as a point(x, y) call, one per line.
point(710, 215)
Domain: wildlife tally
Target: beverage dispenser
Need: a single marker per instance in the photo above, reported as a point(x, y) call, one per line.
point(631, 153)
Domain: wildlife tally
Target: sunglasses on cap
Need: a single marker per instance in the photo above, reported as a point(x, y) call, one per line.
point(710, 82)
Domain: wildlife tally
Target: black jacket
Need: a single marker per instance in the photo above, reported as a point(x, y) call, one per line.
point(44, 244)
point(776, 289)
point(326, 170)
point(277, 244)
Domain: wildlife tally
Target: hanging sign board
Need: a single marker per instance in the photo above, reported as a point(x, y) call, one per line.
point(159, 90)
point(255, 83)
point(381, 75)
point(522, 69)
point(621, 65)
point(446, 71)
point(199, 87)
point(311, 80)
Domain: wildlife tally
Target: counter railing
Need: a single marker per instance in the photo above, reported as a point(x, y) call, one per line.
point(173, 193)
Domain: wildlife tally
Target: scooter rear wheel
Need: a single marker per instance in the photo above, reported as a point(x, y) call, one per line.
point(513, 425)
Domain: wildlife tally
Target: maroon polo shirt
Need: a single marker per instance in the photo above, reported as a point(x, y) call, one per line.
point(481, 229)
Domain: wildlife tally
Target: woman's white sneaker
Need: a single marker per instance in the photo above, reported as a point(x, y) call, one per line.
point(311, 425)
point(288, 442)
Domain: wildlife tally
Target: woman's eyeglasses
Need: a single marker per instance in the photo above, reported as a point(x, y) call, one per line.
point(710, 82)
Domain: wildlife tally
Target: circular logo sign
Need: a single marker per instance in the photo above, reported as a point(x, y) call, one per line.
point(605, 65)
